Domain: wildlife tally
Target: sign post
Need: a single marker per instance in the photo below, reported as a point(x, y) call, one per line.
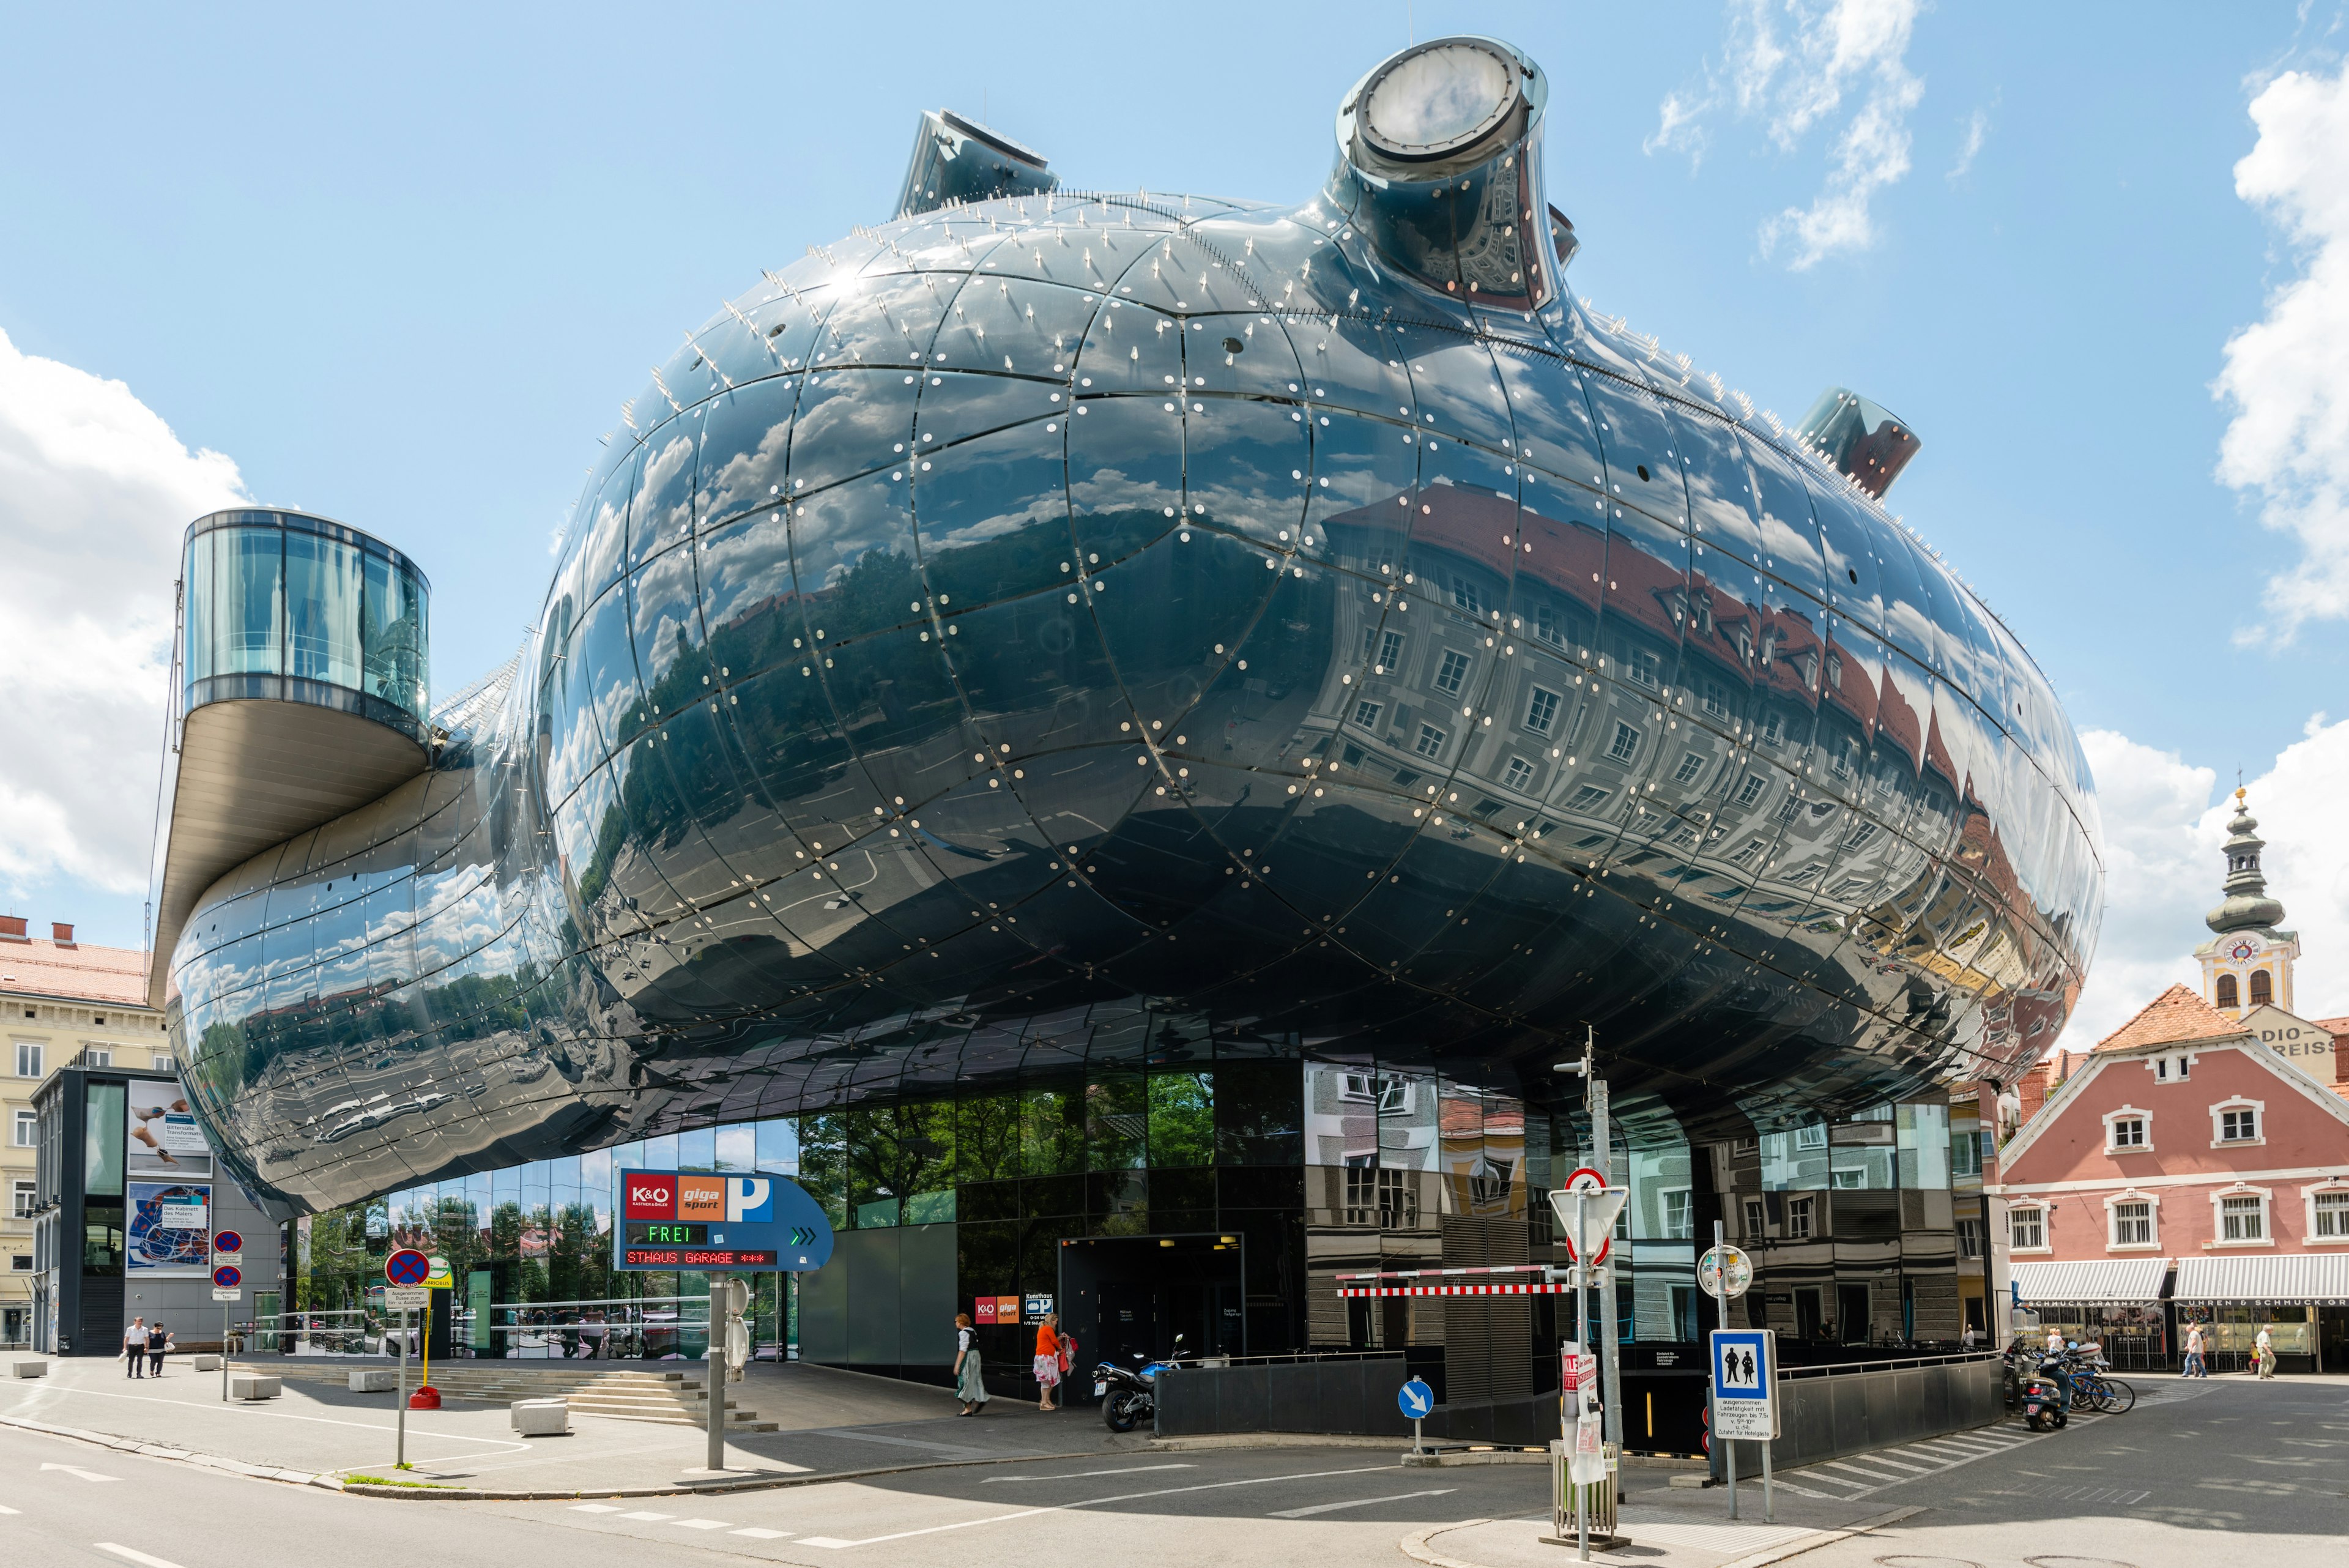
point(404, 1274)
point(228, 1251)
point(1744, 1377)
point(1416, 1399)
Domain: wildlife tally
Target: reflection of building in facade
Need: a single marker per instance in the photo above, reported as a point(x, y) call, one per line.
point(1129, 719)
point(60, 1001)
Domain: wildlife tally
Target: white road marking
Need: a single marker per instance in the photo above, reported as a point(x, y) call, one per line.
point(28, 1405)
point(1805, 1491)
point(5, 1509)
point(701, 1523)
point(755, 1533)
point(78, 1470)
point(834, 1542)
point(647, 1518)
point(1858, 1471)
point(594, 1508)
point(1358, 1502)
point(1080, 1475)
point(1885, 1458)
point(134, 1555)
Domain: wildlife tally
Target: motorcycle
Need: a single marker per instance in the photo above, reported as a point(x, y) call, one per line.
point(1129, 1395)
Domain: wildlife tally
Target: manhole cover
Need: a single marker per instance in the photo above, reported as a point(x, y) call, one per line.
point(1898, 1561)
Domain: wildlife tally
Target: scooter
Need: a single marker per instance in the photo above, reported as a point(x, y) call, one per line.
point(1129, 1395)
point(2043, 1401)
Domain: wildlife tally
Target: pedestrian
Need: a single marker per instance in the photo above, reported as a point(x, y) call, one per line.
point(2195, 1366)
point(159, 1341)
point(1966, 1340)
point(591, 1335)
point(134, 1344)
point(2263, 1352)
point(1048, 1361)
point(969, 1388)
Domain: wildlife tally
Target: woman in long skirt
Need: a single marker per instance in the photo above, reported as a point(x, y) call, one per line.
point(1048, 1361)
point(968, 1388)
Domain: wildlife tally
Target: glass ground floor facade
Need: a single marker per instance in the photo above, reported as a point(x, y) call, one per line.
point(1218, 1199)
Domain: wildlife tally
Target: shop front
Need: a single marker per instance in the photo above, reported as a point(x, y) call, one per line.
point(2116, 1302)
point(2301, 1300)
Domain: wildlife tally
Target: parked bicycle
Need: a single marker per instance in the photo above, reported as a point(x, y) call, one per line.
point(2094, 1387)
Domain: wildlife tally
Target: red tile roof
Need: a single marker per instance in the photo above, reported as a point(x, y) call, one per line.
point(2176, 1014)
point(77, 972)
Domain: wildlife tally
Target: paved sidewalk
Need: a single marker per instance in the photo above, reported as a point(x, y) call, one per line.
point(836, 1423)
point(1666, 1529)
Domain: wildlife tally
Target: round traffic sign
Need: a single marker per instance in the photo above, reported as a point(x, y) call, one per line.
point(227, 1277)
point(1724, 1271)
point(1416, 1399)
point(227, 1241)
point(406, 1267)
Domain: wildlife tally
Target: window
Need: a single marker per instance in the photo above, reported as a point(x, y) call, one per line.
point(2329, 1216)
point(2262, 990)
point(1463, 596)
point(1546, 628)
point(28, 1059)
point(1691, 765)
point(1799, 1219)
point(1588, 798)
point(1716, 701)
point(1366, 714)
point(2170, 1069)
point(28, 1126)
point(1643, 666)
point(92, 1057)
point(2238, 1124)
point(1520, 775)
point(1626, 743)
point(1751, 790)
point(2124, 1133)
point(1846, 747)
point(1391, 1096)
point(1398, 1200)
point(2026, 1229)
point(2228, 994)
point(1361, 1188)
point(1812, 1136)
point(1431, 742)
point(21, 1262)
point(1745, 856)
point(21, 1200)
point(162, 1064)
point(1679, 1215)
point(1455, 672)
point(2243, 1219)
point(1861, 836)
point(1382, 648)
point(1847, 1178)
point(1970, 1239)
point(2133, 1224)
point(1773, 731)
point(1965, 1154)
point(1541, 711)
point(1753, 1220)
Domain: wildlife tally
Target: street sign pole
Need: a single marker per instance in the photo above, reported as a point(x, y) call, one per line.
point(1610, 1371)
point(400, 1457)
point(226, 1308)
point(1720, 1320)
point(1581, 1345)
point(719, 1296)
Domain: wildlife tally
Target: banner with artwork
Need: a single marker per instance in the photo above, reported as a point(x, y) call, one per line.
point(160, 1137)
point(170, 1230)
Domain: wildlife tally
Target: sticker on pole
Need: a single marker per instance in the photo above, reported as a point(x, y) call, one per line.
point(1746, 1383)
point(1416, 1399)
point(1724, 1272)
point(227, 1277)
point(406, 1267)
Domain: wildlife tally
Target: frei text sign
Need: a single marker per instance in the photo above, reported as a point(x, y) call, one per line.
point(697, 1220)
point(1745, 1384)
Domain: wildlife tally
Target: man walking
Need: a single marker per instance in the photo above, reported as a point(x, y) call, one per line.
point(159, 1340)
point(2263, 1351)
point(134, 1343)
point(2194, 1364)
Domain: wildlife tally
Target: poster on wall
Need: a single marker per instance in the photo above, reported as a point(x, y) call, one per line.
point(170, 1230)
point(160, 1135)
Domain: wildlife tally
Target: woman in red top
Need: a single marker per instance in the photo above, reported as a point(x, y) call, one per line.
point(1048, 1360)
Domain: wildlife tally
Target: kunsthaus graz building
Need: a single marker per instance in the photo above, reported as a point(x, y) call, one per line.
point(1120, 738)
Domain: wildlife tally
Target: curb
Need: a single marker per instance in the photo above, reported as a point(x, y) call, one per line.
point(164, 1451)
point(1419, 1548)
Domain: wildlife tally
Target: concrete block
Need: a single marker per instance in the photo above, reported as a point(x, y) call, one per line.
point(375, 1379)
point(254, 1385)
point(204, 1362)
point(28, 1368)
point(542, 1417)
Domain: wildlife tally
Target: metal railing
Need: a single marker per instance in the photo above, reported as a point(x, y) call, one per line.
point(622, 1328)
point(1893, 1364)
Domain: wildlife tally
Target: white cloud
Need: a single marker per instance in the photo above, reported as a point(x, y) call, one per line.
point(94, 491)
point(1794, 83)
point(2288, 442)
point(1976, 130)
point(2162, 833)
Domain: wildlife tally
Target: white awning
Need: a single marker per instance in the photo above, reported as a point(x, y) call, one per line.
point(2320, 1279)
point(2108, 1282)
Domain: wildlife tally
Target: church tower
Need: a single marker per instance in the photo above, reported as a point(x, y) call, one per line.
point(2247, 963)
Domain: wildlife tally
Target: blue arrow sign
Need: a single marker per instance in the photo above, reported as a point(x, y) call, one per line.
point(1416, 1399)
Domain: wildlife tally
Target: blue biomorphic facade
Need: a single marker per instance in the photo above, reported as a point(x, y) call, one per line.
point(1056, 631)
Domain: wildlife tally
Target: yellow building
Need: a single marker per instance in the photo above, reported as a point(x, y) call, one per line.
point(59, 999)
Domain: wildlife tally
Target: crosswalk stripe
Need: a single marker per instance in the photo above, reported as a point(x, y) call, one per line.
point(1880, 1459)
point(594, 1508)
point(701, 1523)
point(758, 1534)
point(1805, 1491)
point(1871, 1475)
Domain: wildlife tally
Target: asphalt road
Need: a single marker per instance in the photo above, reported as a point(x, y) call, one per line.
point(2267, 1465)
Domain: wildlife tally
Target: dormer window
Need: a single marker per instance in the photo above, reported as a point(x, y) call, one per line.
point(2171, 1069)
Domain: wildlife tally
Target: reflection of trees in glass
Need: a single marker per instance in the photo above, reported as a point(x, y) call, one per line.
point(824, 1164)
point(901, 1163)
point(1051, 1132)
point(1181, 1118)
point(986, 1138)
point(578, 1260)
point(456, 1235)
point(1117, 1122)
point(1260, 1112)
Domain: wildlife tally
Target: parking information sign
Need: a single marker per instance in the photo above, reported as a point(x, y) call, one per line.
point(1746, 1384)
point(695, 1220)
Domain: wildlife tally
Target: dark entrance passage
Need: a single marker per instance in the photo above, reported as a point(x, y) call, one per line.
point(1128, 1295)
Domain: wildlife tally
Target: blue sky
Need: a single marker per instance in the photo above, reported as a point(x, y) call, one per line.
point(404, 272)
